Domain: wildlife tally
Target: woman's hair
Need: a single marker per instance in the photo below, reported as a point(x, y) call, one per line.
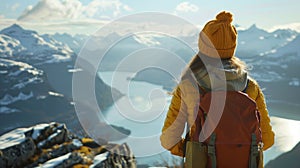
point(197, 63)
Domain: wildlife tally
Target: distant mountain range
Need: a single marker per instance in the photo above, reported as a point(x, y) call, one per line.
point(274, 58)
point(36, 78)
point(258, 42)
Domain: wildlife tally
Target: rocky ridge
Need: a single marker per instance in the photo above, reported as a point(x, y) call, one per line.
point(53, 145)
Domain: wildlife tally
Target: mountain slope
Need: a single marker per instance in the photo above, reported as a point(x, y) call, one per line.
point(256, 41)
point(33, 48)
point(75, 42)
point(289, 159)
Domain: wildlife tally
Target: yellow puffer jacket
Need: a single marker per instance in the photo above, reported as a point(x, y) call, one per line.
point(182, 108)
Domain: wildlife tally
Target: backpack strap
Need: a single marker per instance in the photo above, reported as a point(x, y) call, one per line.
point(211, 150)
point(201, 90)
point(186, 138)
point(254, 153)
point(244, 91)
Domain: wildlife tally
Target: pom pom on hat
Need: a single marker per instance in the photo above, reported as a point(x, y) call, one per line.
point(218, 37)
point(224, 16)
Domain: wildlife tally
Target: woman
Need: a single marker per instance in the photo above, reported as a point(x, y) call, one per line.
point(213, 68)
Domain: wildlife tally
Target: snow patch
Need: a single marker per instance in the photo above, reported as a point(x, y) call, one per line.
point(3, 72)
point(37, 130)
point(34, 80)
point(41, 97)
point(147, 39)
point(77, 142)
point(74, 70)
point(57, 58)
point(22, 67)
point(291, 38)
point(8, 99)
point(42, 143)
point(294, 82)
point(55, 94)
point(6, 110)
point(99, 158)
point(12, 138)
point(56, 161)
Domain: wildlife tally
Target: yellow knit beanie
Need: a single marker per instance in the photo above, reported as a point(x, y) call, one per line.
point(218, 37)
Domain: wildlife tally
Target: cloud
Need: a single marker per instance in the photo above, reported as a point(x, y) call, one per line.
point(294, 26)
point(97, 7)
point(48, 10)
point(15, 6)
point(57, 10)
point(127, 8)
point(186, 7)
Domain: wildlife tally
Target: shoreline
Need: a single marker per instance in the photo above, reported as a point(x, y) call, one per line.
point(284, 110)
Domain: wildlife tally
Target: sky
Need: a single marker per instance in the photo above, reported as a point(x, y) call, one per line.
point(86, 16)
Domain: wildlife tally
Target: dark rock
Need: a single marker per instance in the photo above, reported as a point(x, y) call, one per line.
point(16, 148)
point(59, 150)
point(117, 156)
point(66, 160)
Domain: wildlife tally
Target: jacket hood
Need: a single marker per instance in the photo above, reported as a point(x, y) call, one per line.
point(223, 76)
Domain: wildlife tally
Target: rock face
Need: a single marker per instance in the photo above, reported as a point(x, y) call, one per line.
point(53, 145)
point(289, 159)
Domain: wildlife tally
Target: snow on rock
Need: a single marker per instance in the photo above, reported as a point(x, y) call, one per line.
point(38, 129)
point(8, 99)
point(16, 147)
point(99, 159)
point(53, 145)
point(55, 94)
point(20, 67)
point(56, 162)
point(17, 79)
point(9, 46)
point(77, 143)
point(7, 110)
point(12, 138)
point(25, 82)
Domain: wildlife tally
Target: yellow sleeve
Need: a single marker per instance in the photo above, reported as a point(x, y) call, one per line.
point(266, 128)
point(171, 137)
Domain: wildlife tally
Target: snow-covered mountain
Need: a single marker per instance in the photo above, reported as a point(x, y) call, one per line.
point(17, 82)
point(28, 97)
point(75, 42)
point(26, 45)
point(291, 50)
point(256, 41)
point(36, 79)
point(9, 46)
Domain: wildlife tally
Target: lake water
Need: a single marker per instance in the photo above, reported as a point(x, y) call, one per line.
point(143, 111)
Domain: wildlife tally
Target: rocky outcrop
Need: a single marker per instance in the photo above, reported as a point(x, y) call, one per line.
point(53, 145)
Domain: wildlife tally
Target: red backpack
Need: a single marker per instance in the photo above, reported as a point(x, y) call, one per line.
point(232, 138)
